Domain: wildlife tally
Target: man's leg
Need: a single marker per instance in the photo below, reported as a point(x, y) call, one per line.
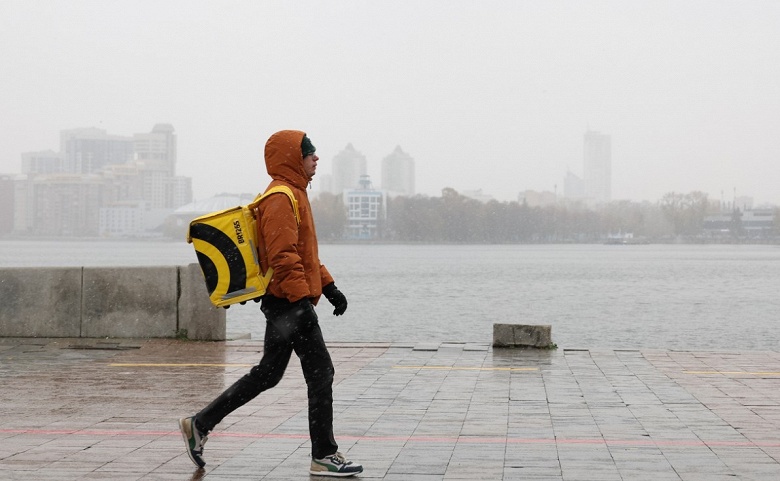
point(318, 371)
point(277, 348)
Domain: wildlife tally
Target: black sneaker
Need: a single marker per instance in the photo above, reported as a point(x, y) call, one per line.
point(193, 439)
point(334, 465)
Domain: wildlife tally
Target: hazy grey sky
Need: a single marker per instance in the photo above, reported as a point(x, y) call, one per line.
point(483, 94)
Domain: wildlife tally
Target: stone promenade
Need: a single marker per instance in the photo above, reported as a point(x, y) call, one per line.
point(73, 409)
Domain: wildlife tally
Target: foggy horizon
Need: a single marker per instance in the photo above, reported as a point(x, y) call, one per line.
point(483, 95)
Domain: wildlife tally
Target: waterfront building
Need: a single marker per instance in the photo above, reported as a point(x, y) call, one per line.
point(366, 210)
point(121, 219)
point(753, 223)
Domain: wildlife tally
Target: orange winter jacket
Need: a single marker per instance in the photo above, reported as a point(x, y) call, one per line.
point(290, 248)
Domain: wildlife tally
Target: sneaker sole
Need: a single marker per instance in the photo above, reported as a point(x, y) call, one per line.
point(186, 438)
point(333, 474)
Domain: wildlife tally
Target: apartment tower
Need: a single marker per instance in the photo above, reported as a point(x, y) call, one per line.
point(398, 173)
point(598, 166)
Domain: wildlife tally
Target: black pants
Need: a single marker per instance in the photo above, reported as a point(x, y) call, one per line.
point(285, 332)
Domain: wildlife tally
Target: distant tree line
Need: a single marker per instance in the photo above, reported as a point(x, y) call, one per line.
point(454, 218)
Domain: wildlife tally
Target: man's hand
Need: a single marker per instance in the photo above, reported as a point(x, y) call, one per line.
point(336, 298)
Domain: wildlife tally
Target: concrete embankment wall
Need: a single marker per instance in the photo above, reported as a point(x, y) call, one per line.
point(119, 302)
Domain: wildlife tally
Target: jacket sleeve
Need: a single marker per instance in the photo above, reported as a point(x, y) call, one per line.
point(280, 235)
point(325, 276)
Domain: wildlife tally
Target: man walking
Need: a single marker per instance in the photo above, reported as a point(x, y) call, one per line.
point(291, 321)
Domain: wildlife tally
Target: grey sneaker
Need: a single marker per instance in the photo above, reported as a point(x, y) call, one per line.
point(193, 439)
point(334, 465)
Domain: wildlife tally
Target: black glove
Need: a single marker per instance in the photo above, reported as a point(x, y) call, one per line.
point(336, 298)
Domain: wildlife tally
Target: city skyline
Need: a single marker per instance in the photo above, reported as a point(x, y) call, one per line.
point(323, 180)
point(483, 97)
point(101, 184)
point(98, 184)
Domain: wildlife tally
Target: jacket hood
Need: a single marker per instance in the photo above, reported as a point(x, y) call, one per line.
point(284, 159)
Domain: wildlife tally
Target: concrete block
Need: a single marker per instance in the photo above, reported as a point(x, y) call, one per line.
point(40, 302)
point(197, 315)
point(522, 335)
point(130, 302)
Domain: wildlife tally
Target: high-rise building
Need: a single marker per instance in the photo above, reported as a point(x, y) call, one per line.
point(182, 191)
point(21, 209)
point(598, 166)
point(44, 162)
point(348, 167)
point(156, 153)
point(85, 151)
point(64, 205)
point(324, 183)
point(7, 188)
point(398, 173)
point(573, 186)
point(157, 149)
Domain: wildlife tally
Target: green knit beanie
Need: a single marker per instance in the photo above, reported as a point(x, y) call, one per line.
point(307, 147)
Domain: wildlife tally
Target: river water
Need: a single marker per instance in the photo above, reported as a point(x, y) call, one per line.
point(594, 296)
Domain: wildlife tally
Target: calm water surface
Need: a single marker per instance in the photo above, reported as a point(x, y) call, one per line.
point(650, 296)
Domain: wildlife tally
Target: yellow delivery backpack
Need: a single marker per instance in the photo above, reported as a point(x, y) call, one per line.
point(226, 245)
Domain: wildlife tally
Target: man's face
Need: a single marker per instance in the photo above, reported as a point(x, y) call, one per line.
point(310, 164)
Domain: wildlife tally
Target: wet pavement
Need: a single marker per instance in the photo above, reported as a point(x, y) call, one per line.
point(107, 409)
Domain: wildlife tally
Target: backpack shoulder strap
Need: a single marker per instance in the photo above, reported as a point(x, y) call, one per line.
point(279, 189)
